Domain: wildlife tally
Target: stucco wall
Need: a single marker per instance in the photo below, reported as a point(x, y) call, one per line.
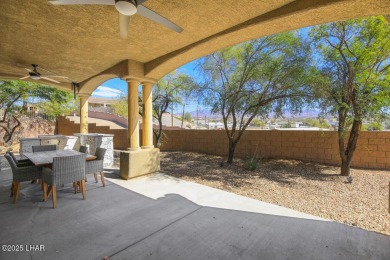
point(373, 149)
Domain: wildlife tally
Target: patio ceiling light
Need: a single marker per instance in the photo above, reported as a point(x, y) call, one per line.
point(36, 77)
point(126, 7)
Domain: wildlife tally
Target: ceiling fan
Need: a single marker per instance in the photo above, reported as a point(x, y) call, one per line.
point(34, 74)
point(126, 9)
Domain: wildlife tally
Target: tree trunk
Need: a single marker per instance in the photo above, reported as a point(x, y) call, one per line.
point(351, 147)
point(158, 138)
point(158, 134)
point(345, 166)
point(232, 148)
point(182, 116)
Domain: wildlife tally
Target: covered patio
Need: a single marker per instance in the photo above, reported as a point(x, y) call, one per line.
point(161, 217)
point(155, 216)
point(88, 44)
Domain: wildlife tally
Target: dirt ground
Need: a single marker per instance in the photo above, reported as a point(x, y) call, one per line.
point(307, 187)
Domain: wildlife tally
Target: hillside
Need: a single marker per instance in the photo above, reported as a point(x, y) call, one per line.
point(30, 127)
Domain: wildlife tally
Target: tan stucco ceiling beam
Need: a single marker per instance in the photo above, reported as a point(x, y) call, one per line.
point(126, 70)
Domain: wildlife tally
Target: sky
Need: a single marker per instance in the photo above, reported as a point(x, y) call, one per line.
point(115, 88)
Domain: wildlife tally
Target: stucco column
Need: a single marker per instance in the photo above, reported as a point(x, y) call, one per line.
point(83, 113)
point(133, 112)
point(147, 116)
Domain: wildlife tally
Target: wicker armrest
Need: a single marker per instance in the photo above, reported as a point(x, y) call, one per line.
point(22, 161)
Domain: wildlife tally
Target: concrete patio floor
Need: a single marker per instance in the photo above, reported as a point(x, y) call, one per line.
point(160, 217)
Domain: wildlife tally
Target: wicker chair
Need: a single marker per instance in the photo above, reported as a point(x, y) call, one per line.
point(83, 149)
point(20, 174)
point(96, 166)
point(67, 169)
point(20, 162)
point(43, 148)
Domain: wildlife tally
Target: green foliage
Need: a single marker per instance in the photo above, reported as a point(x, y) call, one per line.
point(187, 117)
point(12, 92)
point(15, 94)
point(365, 127)
point(375, 126)
point(172, 89)
point(252, 163)
point(320, 123)
point(258, 122)
point(353, 82)
point(355, 76)
point(255, 78)
point(56, 109)
point(120, 107)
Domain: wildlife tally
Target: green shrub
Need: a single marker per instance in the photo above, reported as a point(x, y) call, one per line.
point(252, 163)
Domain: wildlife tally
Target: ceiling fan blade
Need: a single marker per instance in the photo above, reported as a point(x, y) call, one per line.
point(26, 77)
point(124, 21)
point(49, 79)
point(28, 70)
point(142, 10)
point(54, 76)
point(83, 2)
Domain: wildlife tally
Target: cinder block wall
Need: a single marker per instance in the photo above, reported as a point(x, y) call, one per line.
point(373, 148)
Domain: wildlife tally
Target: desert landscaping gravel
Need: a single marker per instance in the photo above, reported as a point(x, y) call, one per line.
point(307, 187)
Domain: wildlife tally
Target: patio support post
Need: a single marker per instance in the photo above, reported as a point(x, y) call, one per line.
point(135, 161)
point(147, 116)
point(133, 111)
point(84, 113)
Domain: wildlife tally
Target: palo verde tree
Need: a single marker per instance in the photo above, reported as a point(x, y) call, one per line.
point(14, 95)
point(354, 75)
point(170, 90)
point(254, 78)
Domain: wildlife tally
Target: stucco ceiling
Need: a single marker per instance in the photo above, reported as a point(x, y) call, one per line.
point(82, 41)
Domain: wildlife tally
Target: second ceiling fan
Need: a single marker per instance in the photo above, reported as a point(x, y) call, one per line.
point(126, 9)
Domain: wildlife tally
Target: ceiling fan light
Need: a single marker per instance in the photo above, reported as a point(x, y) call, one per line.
point(36, 77)
point(126, 7)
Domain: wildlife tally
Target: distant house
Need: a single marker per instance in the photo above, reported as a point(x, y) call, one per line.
point(215, 125)
point(274, 126)
point(100, 102)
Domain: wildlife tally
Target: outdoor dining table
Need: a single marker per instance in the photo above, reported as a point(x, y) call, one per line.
point(46, 158)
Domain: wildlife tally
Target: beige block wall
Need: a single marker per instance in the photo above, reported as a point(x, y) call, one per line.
point(373, 148)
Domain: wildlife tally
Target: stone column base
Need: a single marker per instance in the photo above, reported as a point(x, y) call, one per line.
point(139, 162)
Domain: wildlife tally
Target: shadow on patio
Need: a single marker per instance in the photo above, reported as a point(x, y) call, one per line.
point(122, 224)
